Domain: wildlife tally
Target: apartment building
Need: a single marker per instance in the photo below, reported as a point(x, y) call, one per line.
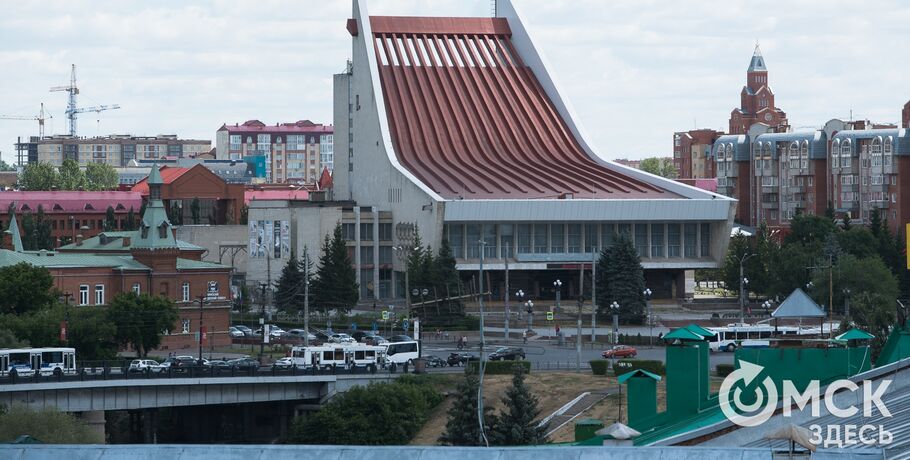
point(117, 150)
point(692, 153)
point(292, 152)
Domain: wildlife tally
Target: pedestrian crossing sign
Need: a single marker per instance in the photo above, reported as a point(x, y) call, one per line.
point(385, 315)
point(549, 316)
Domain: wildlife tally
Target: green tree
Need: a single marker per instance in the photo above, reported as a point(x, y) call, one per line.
point(194, 210)
point(175, 214)
point(335, 285)
point(24, 288)
point(462, 427)
point(868, 274)
point(289, 293)
point(4, 166)
point(91, 332)
point(101, 176)
point(808, 228)
point(663, 167)
point(876, 314)
point(110, 219)
point(447, 281)
point(48, 425)
point(8, 339)
point(516, 424)
point(790, 267)
point(621, 279)
point(71, 176)
point(857, 241)
point(36, 231)
point(141, 320)
point(39, 176)
point(130, 223)
point(378, 414)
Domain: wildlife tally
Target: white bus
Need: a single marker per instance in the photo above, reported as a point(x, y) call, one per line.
point(25, 362)
point(336, 355)
point(401, 352)
point(746, 335)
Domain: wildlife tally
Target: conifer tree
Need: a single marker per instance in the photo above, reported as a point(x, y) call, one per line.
point(516, 424)
point(289, 287)
point(335, 284)
point(621, 279)
point(462, 428)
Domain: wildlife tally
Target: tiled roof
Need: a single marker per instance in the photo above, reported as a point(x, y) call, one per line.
point(302, 126)
point(168, 175)
point(59, 202)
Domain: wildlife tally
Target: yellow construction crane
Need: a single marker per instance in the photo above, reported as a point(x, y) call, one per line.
point(40, 117)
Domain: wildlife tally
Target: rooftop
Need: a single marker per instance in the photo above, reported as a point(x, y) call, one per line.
point(301, 126)
point(55, 202)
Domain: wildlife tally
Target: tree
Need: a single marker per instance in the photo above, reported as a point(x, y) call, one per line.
point(448, 281)
point(24, 288)
point(335, 285)
point(39, 176)
point(9, 340)
point(621, 279)
point(462, 427)
point(47, 425)
point(90, 331)
point(110, 219)
point(175, 214)
point(807, 228)
point(130, 220)
point(289, 293)
point(874, 313)
point(194, 210)
point(516, 424)
point(141, 320)
point(36, 231)
point(868, 274)
point(857, 241)
point(4, 166)
point(71, 176)
point(663, 167)
point(101, 176)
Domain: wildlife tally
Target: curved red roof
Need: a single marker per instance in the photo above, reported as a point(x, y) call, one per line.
point(470, 119)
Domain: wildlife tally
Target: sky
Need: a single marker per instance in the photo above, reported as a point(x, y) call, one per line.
point(635, 70)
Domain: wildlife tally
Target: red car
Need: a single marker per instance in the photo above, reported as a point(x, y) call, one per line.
point(620, 351)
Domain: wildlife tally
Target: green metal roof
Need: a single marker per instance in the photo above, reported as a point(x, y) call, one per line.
point(700, 330)
point(13, 230)
point(51, 259)
point(683, 334)
point(637, 372)
point(114, 242)
point(855, 334)
point(187, 264)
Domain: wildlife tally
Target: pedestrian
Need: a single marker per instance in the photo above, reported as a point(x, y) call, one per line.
point(524, 336)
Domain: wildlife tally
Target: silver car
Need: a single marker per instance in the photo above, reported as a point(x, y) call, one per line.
point(145, 365)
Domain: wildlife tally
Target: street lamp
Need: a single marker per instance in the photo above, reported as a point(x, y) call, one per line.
point(529, 306)
point(557, 285)
point(614, 307)
point(743, 281)
point(647, 293)
point(262, 286)
point(404, 254)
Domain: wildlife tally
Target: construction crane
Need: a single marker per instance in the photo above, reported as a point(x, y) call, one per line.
point(40, 117)
point(71, 109)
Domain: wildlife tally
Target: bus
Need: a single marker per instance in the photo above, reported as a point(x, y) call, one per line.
point(337, 355)
point(402, 352)
point(25, 362)
point(746, 335)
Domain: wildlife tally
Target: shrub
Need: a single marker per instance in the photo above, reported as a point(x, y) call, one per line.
point(628, 365)
point(600, 366)
point(49, 426)
point(724, 370)
point(498, 367)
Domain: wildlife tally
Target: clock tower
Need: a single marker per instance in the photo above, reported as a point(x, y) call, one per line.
point(757, 101)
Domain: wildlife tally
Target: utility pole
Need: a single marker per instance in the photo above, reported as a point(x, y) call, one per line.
point(581, 302)
point(201, 300)
point(742, 289)
point(483, 436)
point(306, 298)
point(507, 300)
point(262, 320)
point(593, 297)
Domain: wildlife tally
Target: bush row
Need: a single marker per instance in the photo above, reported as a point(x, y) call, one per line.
point(498, 367)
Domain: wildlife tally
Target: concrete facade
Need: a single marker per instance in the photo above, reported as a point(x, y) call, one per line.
point(117, 150)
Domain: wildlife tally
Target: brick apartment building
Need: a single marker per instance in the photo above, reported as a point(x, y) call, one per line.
point(116, 150)
point(71, 214)
point(219, 202)
point(148, 260)
point(692, 153)
point(292, 152)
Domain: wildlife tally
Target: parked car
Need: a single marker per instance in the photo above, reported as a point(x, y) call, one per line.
point(435, 361)
point(359, 335)
point(401, 338)
point(374, 339)
point(459, 359)
point(339, 337)
point(620, 351)
point(235, 333)
point(321, 336)
point(145, 365)
point(184, 363)
point(507, 353)
point(243, 364)
point(245, 329)
point(274, 331)
point(299, 334)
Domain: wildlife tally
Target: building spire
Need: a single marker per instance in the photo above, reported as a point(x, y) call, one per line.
point(758, 62)
point(16, 239)
point(154, 182)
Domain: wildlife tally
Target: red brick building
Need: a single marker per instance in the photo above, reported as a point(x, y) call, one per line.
point(905, 115)
point(692, 153)
point(149, 260)
point(219, 202)
point(757, 101)
point(71, 213)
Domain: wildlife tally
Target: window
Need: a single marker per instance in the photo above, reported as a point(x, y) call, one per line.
point(83, 294)
point(606, 234)
point(235, 142)
point(366, 232)
point(185, 326)
point(524, 238)
point(889, 145)
point(574, 238)
point(385, 232)
point(489, 239)
point(878, 179)
point(366, 255)
point(456, 238)
point(186, 291)
point(385, 255)
point(591, 239)
point(347, 232)
point(137, 288)
point(673, 240)
point(99, 294)
point(557, 238)
point(705, 240)
point(641, 239)
point(657, 240)
point(541, 240)
point(690, 238)
point(846, 148)
point(473, 241)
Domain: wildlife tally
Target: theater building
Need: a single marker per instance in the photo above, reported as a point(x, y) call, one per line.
point(455, 126)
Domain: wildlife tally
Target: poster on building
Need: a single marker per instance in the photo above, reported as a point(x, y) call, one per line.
point(285, 239)
point(270, 238)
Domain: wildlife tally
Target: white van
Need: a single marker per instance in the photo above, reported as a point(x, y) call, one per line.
point(402, 352)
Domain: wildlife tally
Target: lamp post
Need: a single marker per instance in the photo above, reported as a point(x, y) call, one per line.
point(404, 253)
point(262, 286)
point(581, 302)
point(520, 295)
point(647, 294)
point(847, 304)
point(557, 285)
point(614, 307)
point(201, 300)
point(743, 281)
point(530, 309)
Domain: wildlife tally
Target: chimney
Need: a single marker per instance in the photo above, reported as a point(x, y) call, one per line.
point(79, 240)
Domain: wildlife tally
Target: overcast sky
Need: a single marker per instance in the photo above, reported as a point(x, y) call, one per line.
point(635, 70)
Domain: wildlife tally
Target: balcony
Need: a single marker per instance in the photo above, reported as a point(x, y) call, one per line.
point(770, 205)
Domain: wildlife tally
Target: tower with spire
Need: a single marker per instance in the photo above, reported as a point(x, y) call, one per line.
point(757, 101)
